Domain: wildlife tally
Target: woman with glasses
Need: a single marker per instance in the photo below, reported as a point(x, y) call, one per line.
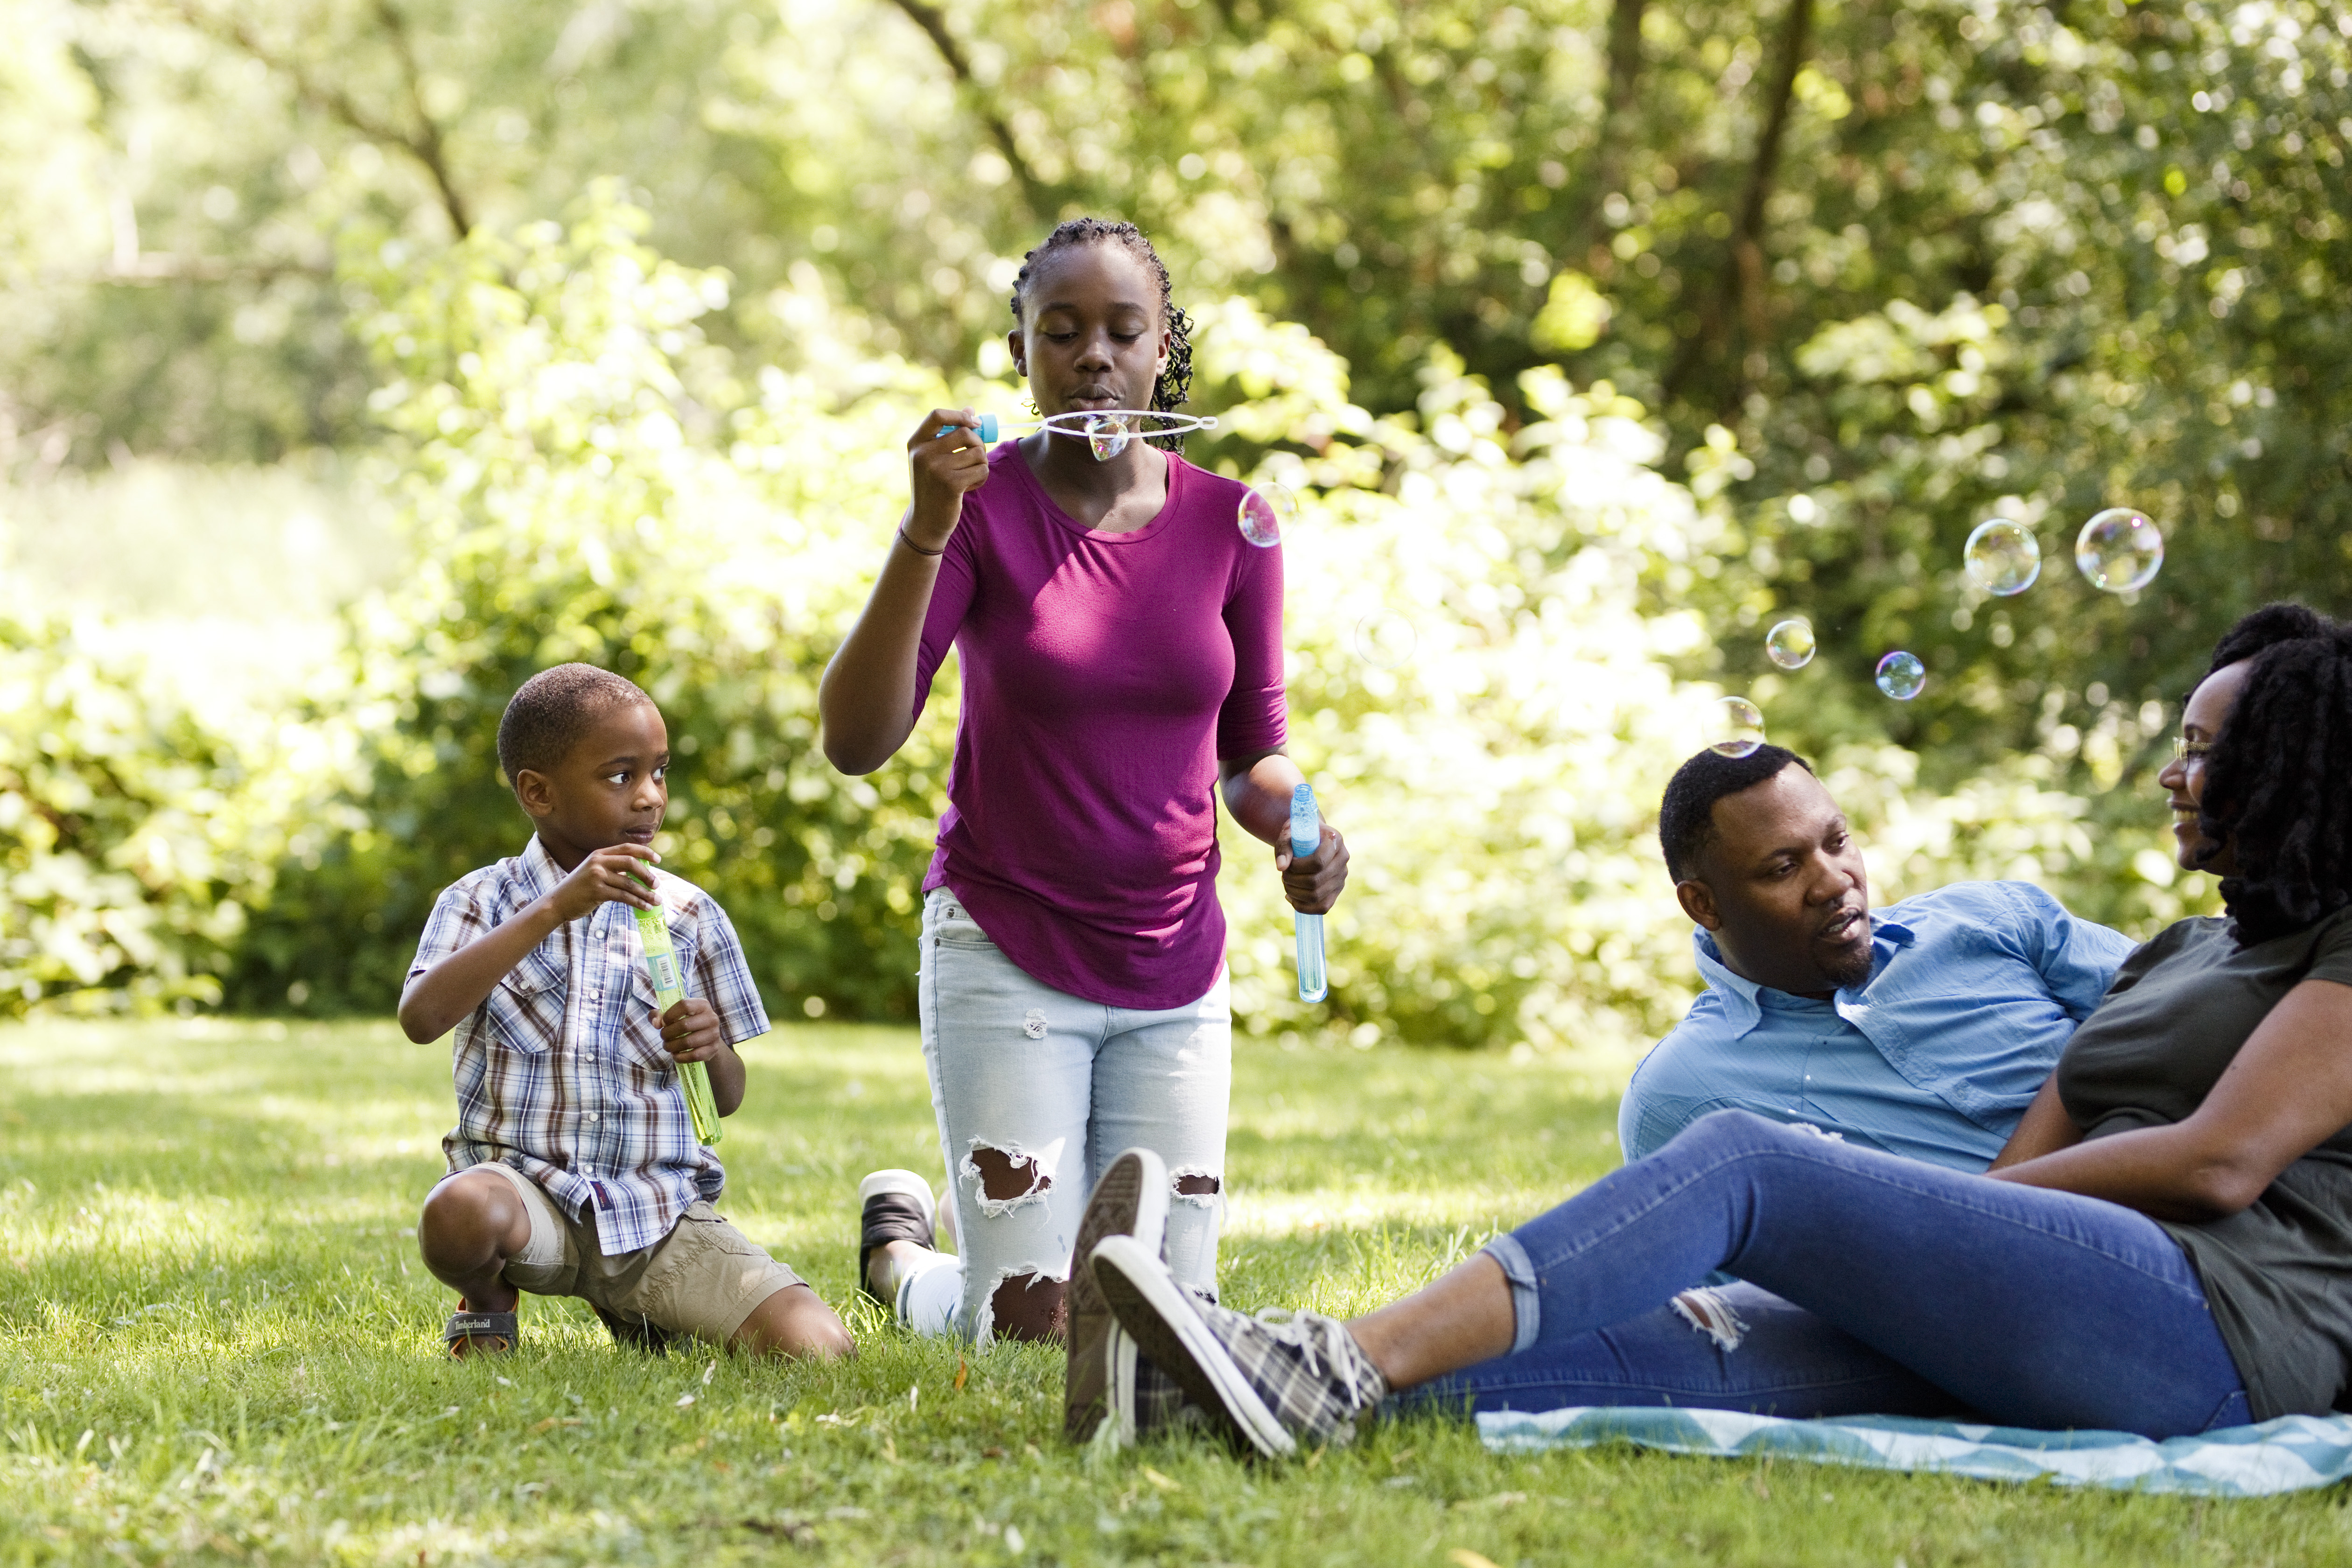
point(2165, 1246)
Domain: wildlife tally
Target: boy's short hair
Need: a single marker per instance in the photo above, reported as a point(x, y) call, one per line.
point(1686, 817)
point(546, 718)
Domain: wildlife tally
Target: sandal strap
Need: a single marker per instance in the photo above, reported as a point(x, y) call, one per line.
point(470, 1325)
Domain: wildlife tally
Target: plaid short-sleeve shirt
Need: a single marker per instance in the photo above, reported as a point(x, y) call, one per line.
point(560, 1071)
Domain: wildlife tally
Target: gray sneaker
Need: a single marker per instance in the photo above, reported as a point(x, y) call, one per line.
point(1129, 1203)
point(1268, 1382)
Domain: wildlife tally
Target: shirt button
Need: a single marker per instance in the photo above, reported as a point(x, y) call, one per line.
point(592, 1116)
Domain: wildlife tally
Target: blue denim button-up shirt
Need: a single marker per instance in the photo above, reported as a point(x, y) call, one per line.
point(1974, 989)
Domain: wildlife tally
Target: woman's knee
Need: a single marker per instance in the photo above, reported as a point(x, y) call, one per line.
point(1028, 1306)
point(1742, 1129)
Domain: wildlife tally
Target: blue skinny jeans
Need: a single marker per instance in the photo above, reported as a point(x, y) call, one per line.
point(1875, 1285)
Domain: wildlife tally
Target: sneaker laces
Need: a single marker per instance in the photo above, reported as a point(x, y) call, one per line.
point(1329, 1351)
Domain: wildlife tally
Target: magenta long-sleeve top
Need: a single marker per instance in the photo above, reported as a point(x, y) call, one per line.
point(1103, 676)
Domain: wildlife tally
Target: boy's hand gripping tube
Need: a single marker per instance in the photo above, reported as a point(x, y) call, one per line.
point(669, 989)
point(1306, 836)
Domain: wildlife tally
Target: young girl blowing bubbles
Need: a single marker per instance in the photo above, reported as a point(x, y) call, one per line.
point(1122, 663)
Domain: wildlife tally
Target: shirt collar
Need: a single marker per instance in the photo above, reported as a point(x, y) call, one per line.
point(535, 872)
point(1743, 1002)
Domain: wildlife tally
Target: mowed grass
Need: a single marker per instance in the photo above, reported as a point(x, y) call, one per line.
point(220, 1347)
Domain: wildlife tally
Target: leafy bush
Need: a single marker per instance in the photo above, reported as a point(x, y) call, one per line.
point(118, 830)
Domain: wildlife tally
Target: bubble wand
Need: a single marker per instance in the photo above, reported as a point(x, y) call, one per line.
point(1306, 836)
point(1105, 430)
point(669, 990)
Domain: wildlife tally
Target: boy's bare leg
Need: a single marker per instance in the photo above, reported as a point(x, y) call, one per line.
point(794, 1322)
point(469, 1228)
point(1458, 1320)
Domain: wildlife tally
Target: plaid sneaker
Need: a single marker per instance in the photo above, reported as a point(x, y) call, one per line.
point(892, 1205)
point(1267, 1380)
point(1130, 1201)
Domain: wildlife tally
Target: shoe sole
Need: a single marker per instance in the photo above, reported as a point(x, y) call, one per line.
point(1131, 1200)
point(1169, 1328)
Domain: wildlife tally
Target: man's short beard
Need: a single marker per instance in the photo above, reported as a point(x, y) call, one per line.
point(1850, 969)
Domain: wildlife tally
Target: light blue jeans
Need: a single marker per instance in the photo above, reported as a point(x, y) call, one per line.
point(1060, 1086)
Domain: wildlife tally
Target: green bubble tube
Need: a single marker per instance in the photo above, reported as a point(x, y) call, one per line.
point(669, 989)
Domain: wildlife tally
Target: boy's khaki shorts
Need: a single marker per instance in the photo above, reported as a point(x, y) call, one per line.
point(703, 1278)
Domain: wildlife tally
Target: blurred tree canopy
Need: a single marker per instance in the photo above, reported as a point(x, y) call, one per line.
point(1864, 275)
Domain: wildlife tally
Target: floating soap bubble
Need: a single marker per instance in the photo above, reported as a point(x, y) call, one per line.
point(1265, 511)
point(1790, 645)
point(1385, 639)
point(2119, 549)
point(1107, 435)
point(2003, 557)
point(1901, 675)
point(1735, 727)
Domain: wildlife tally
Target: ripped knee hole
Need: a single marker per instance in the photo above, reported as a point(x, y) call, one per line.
point(1004, 1177)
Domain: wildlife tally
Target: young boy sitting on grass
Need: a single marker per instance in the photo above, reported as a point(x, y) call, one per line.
point(574, 1168)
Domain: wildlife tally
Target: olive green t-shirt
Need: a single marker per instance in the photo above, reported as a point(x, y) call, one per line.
point(2278, 1275)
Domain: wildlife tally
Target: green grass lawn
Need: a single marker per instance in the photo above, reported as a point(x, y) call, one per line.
point(220, 1346)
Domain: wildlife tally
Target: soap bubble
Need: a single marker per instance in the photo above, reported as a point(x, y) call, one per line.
point(1385, 639)
point(1901, 675)
point(1790, 645)
point(2119, 549)
point(1734, 726)
point(2003, 557)
point(1265, 512)
point(1107, 435)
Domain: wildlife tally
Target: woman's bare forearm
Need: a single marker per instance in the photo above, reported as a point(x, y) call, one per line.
point(2164, 1173)
point(866, 700)
point(2044, 1128)
point(1257, 792)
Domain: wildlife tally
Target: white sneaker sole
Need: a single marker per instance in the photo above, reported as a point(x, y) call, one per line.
point(1169, 1328)
point(905, 1183)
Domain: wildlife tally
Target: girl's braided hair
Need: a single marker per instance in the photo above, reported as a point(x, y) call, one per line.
point(2278, 787)
point(1175, 383)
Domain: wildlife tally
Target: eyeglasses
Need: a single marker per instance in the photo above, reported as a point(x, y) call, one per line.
point(2185, 751)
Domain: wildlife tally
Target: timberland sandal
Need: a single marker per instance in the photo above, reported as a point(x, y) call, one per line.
point(479, 1328)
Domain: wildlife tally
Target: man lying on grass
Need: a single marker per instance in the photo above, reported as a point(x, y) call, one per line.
point(2164, 1246)
point(574, 1167)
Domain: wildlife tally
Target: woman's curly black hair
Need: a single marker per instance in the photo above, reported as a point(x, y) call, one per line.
point(2283, 621)
point(1175, 383)
point(2278, 784)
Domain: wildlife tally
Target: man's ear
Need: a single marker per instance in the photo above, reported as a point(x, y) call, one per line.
point(536, 791)
point(1697, 900)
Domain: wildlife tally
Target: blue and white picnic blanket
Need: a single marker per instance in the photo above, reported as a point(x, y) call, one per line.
point(2289, 1454)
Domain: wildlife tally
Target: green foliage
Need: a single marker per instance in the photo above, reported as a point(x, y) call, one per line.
point(119, 843)
point(211, 1274)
